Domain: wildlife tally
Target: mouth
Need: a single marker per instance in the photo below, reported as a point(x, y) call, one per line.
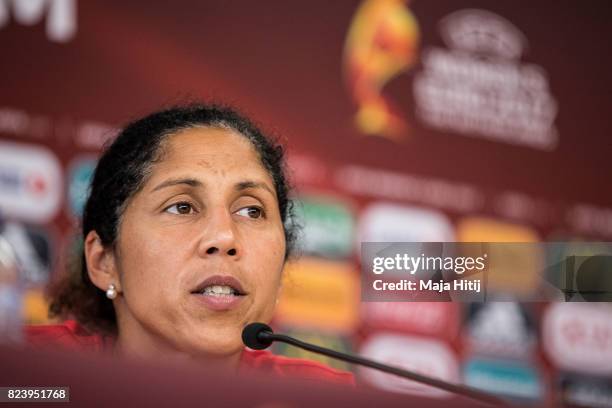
point(220, 287)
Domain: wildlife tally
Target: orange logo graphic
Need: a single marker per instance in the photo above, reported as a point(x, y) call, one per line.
point(380, 45)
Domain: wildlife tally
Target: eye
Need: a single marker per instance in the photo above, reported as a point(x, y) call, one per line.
point(251, 212)
point(180, 209)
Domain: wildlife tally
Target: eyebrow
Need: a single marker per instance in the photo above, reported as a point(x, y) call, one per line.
point(191, 182)
point(248, 184)
point(174, 182)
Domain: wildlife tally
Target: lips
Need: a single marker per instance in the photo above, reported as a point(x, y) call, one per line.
point(219, 294)
point(220, 281)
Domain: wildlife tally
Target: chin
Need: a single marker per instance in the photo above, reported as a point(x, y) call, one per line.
point(217, 342)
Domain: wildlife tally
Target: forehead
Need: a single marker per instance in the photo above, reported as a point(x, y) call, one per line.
point(215, 149)
point(206, 153)
point(208, 143)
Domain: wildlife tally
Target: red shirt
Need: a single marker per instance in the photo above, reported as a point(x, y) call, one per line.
point(70, 335)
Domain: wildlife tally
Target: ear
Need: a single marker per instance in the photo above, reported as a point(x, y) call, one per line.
point(101, 263)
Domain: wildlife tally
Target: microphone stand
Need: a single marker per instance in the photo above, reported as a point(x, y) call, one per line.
point(268, 336)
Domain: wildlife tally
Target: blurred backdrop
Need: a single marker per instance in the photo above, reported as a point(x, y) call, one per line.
point(410, 120)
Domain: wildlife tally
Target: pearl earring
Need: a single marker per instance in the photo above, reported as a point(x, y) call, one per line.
point(111, 292)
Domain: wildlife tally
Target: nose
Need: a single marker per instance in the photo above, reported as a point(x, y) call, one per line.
point(219, 236)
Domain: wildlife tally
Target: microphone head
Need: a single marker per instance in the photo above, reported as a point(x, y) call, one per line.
point(251, 336)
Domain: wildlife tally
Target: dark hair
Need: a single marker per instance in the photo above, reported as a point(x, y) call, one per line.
point(122, 171)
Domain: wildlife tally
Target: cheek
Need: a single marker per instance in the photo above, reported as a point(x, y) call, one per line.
point(145, 266)
point(269, 269)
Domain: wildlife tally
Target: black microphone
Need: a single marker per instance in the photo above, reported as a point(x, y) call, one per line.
point(259, 336)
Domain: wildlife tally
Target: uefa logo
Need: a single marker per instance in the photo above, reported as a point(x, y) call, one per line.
point(30, 182)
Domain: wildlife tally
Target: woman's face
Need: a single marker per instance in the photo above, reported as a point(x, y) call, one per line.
point(201, 247)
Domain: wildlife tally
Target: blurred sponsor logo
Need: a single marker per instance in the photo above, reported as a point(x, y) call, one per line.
point(80, 174)
point(585, 391)
point(94, 135)
point(60, 16)
point(521, 207)
point(35, 307)
point(307, 169)
point(334, 342)
point(480, 229)
point(33, 251)
point(30, 182)
point(319, 294)
point(381, 44)
point(500, 329)
point(507, 378)
point(327, 227)
point(578, 336)
point(393, 223)
point(427, 357)
point(431, 192)
point(591, 220)
point(24, 124)
point(480, 88)
point(435, 319)
point(517, 266)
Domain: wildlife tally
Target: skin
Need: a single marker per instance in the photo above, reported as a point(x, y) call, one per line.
point(195, 200)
